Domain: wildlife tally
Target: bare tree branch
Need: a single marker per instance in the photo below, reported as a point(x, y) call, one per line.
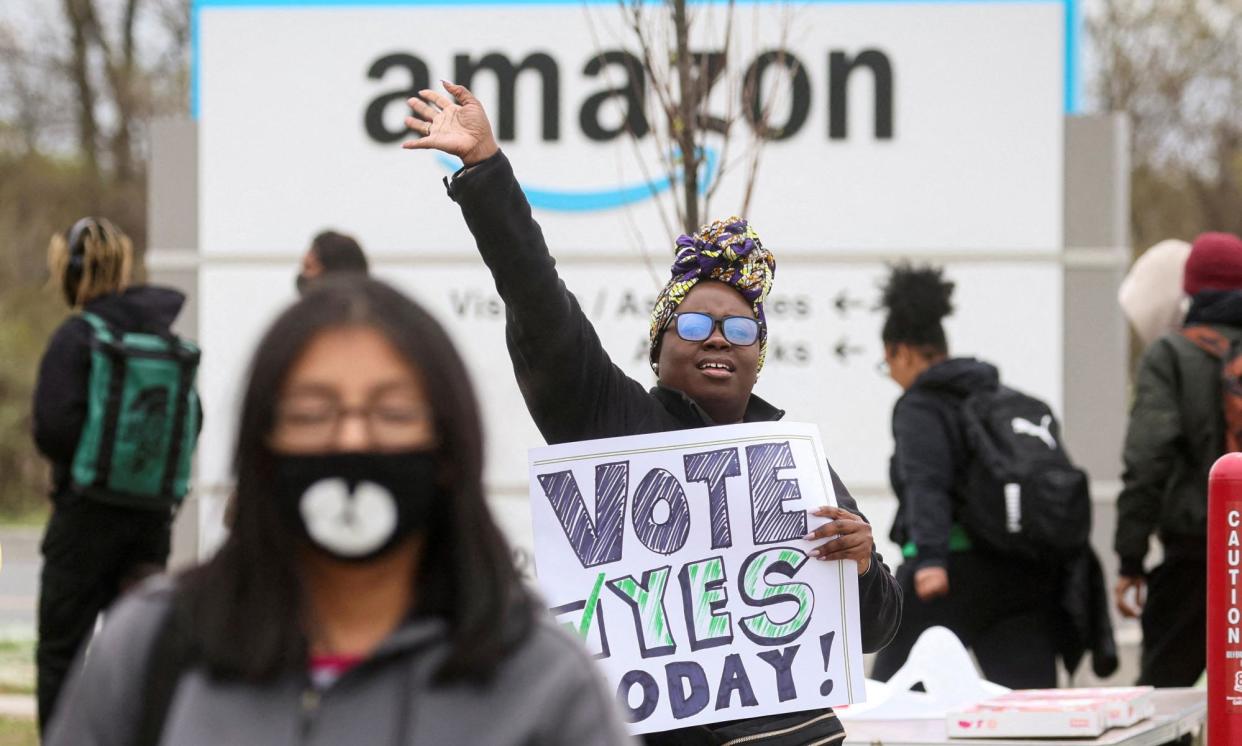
point(78, 14)
point(1175, 68)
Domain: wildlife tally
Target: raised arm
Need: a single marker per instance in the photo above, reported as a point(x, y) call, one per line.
point(572, 389)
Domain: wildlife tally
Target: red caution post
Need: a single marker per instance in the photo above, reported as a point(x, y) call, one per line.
point(1224, 601)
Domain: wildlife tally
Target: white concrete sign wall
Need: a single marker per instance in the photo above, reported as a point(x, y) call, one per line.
point(946, 143)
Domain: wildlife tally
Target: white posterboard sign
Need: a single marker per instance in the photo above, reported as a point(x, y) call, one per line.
point(679, 558)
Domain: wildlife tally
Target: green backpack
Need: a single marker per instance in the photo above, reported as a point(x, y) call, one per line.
point(141, 418)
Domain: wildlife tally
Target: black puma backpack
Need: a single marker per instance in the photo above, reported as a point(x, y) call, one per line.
point(1022, 496)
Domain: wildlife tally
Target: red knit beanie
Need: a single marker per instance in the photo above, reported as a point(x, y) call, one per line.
point(1215, 263)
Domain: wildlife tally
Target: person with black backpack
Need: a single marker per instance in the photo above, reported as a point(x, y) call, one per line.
point(989, 506)
point(116, 414)
point(1187, 412)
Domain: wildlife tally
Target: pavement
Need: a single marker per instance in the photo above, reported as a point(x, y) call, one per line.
point(17, 706)
point(19, 593)
point(19, 576)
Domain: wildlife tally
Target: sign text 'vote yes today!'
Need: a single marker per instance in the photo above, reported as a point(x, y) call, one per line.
point(679, 559)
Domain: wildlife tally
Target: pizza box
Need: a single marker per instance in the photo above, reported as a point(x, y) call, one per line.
point(1125, 705)
point(1034, 718)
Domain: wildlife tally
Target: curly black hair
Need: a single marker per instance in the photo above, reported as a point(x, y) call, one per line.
point(917, 298)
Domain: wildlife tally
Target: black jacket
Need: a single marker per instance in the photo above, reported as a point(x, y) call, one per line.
point(1175, 434)
point(1083, 624)
point(928, 468)
point(571, 386)
point(60, 397)
point(930, 454)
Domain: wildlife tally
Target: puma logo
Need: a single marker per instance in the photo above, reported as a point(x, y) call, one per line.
point(1043, 430)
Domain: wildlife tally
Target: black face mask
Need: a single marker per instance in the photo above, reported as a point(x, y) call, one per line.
point(357, 506)
point(301, 282)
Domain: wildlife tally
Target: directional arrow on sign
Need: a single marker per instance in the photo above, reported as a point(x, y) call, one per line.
point(844, 350)
point(843, 302)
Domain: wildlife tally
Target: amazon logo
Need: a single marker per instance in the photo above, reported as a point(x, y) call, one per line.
point(625, 91)
point(594, 200)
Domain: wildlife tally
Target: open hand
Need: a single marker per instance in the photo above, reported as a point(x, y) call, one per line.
point(457, 127)
point(849, 537)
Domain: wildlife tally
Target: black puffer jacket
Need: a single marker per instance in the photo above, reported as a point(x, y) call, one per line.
point(571, 386)
point(930, 454)
point(1176, 433)
point(60, 398)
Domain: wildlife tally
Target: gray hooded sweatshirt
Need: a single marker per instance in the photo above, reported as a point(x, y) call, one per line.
point(545, 692)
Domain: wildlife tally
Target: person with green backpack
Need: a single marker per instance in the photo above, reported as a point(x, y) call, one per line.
point(117, 415)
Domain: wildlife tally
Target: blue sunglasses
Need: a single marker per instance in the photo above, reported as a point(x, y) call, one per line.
point(693, 326)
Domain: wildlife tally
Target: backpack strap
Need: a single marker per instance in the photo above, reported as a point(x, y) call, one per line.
point(1223, 349)
point(101, 328)
point(1209, 340)
point(108, 344)
point(180, 415)
point(169, 658)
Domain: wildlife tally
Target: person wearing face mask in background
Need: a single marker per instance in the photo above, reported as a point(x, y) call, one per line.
point(330, 253)
point(112, 506)
point(708, 335)
point(365, 594)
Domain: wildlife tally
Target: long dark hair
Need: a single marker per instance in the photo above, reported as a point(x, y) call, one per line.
point(243, 610)
point(917, 299)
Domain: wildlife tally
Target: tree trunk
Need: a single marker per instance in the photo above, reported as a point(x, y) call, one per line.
point(119, 70)
point(126, 98)
point(685, 123)
point(78, 14)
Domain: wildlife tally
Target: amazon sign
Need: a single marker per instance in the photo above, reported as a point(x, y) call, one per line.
point(632, 95)
point(880, 129)
point(881, 126)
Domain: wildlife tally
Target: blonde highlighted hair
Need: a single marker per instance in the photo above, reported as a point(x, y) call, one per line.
point(103, 261)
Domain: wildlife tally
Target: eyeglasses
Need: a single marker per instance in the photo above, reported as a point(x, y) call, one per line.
point(314, 422)
point(693, 326)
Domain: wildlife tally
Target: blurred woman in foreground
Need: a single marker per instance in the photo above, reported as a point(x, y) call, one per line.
point(365, 594)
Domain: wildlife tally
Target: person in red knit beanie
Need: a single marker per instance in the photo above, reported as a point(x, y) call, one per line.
point(1177, 431)
point(1215, 263)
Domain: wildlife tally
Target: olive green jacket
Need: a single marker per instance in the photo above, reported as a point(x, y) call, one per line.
point(1176, 433)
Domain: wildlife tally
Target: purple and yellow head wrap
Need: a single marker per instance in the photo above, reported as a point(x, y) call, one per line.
point(728, 251)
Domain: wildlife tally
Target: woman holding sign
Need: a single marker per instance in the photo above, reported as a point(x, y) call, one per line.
point(365, 594)
point(708, 336)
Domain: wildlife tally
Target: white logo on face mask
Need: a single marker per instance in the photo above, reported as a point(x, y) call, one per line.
point(350, 524)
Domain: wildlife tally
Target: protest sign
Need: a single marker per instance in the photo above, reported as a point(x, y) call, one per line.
point(679, 558)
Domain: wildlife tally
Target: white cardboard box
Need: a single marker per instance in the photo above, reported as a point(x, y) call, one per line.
point(1125, 705)
point(1059, 718)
